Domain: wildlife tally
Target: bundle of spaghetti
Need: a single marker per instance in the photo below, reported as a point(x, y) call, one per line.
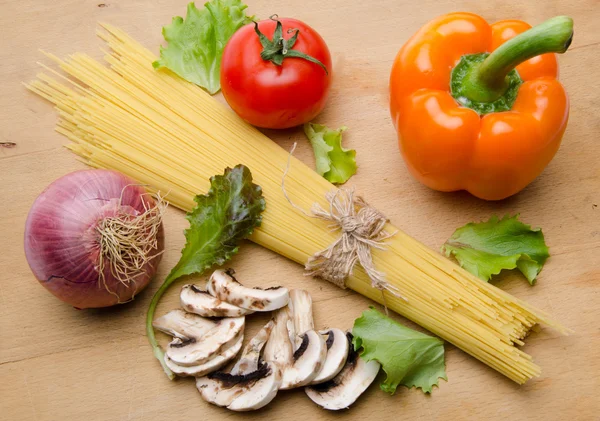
point(172, 136)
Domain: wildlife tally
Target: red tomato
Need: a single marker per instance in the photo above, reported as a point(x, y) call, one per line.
point(275, 96)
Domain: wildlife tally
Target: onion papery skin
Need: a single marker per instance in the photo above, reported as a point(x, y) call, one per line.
point(61, 241)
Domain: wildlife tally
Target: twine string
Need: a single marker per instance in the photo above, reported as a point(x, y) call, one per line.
point(362, 228)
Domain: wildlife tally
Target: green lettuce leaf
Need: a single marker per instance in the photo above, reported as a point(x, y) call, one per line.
point(196, 43)
point(334, 162)
point(222, 218)
point(486, 248)
point(408, 357)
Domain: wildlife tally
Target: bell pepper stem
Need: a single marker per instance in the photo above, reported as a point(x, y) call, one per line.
point(488, 81)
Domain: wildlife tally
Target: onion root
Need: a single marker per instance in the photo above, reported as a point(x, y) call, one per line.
point(126, 243)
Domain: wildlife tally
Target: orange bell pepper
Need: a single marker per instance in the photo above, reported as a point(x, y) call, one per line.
point(469, 121)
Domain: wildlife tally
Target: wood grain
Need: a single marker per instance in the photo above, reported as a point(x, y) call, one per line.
point(57, 363)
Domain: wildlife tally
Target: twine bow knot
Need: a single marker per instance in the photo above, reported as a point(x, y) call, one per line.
point(362, 228)
point(350, 223)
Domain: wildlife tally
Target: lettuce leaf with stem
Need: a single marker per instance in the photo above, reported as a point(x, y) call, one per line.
point(222, 218)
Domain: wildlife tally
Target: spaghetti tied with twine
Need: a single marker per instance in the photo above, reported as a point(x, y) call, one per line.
point(362, 228)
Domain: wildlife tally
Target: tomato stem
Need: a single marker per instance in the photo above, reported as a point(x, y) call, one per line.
point(279, 48)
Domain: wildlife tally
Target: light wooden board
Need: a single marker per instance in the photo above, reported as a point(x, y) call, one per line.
point(57, 363)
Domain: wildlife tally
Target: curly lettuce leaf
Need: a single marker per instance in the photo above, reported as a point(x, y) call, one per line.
point(223, 217)
point(487, 248)
point(408, 357)
point(333, 162)
point(196, 43)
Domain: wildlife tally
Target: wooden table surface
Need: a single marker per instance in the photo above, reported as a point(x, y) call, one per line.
point(57, 363)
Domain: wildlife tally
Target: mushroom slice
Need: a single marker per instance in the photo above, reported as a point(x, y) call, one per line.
point(225, 287)
point(250, 384)
point(279, 348)
point(337, 353)
point(198, 350)
point(183, 325)
point(294, 344)
point(300, 307)
point(241, 392)
point(307, 361)
point(194, 300)
point(343, 390)
point(211, 365)
point(310, 350)
point(248, 362)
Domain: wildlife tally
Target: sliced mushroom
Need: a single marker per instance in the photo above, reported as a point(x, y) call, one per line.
point(343, 390)
point(294, 345)
point(250, 385)
point(248, 362)
point(310, 350)
point(197, 350)
point(194, 300)
point(183, 325)
point(300, 306)
point(227, 354)
point(337, 353)
point(225, 287)
point(307, 361)
point(279, 348)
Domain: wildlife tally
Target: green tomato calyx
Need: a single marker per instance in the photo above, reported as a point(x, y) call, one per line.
point(280, 48)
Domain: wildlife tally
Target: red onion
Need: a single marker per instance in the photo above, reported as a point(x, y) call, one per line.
point(94, 238)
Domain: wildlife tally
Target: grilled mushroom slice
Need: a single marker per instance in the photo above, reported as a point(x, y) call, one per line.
point(225, 287)
point(194, 300)
point(183, 325)
point(250, 385)
point(343, 390)
point(195, 350)
point(218, 361)
point(337, 353)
